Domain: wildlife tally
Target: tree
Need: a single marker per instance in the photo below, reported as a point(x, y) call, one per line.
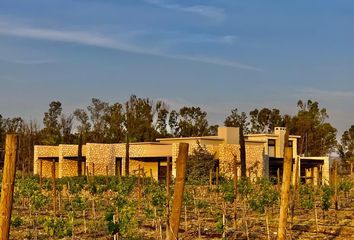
point(346, 146)
point(84, 126)
point(317, 136)
point(236, 119)
point(114, 119)
point(264, 120)
point(51, 131)
point(139, 114)
point(161, 122)
point(97, 109)
point(66, 125)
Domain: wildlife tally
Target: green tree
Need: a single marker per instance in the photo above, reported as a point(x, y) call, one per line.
point(192, 122)
point(264, 120)
point(114, 119)
point(236, 119)
point(51, 130)
point(346, 146)
point(317, 136)
point(97, 109)
point(161, 122)
point(66, 125)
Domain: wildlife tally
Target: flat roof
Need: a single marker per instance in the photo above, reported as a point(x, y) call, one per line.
point(191, 138)
point(268, 135)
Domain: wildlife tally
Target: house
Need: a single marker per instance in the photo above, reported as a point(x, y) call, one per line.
point(264, 156)
point(109, 159)
point(311, 169)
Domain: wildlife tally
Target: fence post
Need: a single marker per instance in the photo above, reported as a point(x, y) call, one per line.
point(8, 183)
point(178, 193)
point(54, 189)
point(285, 187)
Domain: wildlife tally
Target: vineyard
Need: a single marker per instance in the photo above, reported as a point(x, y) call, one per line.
point(137, 207)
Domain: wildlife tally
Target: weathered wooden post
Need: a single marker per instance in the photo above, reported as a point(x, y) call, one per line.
point(235, 190)
point(285, 187)
point(54, 189)
point(93, 169)
point(179, 188)
point(296, 187)
point(168, 179)
point(211, 179)
point(335, 179)
point(8, 183)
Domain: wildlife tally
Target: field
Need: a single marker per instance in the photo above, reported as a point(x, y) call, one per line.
point(136, 208)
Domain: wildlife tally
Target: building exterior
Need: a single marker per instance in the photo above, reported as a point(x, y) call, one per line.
point(311, 169)
point(263, 155)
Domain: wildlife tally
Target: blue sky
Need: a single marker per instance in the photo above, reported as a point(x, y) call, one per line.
point(217, 54)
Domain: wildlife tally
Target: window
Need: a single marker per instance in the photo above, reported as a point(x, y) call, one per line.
point(271, 147)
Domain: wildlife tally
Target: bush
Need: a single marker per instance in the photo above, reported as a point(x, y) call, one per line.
point(199, 164)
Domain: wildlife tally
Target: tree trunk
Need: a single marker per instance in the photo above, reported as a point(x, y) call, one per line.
point(243, 154)
point(8, 183)
point(127, 160)
point(179, 189)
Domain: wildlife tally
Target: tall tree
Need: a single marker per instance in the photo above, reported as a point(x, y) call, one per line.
point(84, 125)
point(139, 119)
point(264, 120)
point(318, 137)
point(66, 125)
point(97, 109)
point(161, 121)
point(346, 146)
point(114, 120)
point(51, 131)
point(236, 119)
point(83, 130)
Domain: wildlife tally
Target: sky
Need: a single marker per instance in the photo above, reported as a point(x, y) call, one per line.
point(216, 54)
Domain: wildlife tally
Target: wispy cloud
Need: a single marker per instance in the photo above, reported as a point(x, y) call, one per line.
point(29, 61)
point(211, 12)
point(327, 93)
point(98, 40)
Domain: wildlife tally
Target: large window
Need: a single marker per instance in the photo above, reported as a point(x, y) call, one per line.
point(271, 147)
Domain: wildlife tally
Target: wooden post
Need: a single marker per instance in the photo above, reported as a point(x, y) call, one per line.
point(335, 176)
point(235, 190)
point(285, 187)
point(79, 156)
point(93, 169)
point(296, 188)
point(40, 173)
point(278, 179)
point(217, 177)
point(54, 189)
point(168, 179)
point(179, 188)
point(211, 179)
point(8, 183)
point(87, 173)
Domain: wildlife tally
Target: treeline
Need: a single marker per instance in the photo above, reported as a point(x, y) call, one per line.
point(142, 120)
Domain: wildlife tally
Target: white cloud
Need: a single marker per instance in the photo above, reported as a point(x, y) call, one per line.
point(98, 40)
point(213, 13)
